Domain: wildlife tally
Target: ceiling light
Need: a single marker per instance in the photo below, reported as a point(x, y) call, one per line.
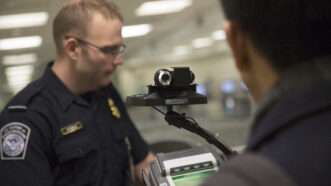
point(16, 88)
point(18, 76)
point(23, 20)
point(182, 50)
point(202, 42)
point(162, 7)
point(219, 35)
point(18, 80)
point(19, 70)
point(21, 59)
point(136, 30)
point(20, 42)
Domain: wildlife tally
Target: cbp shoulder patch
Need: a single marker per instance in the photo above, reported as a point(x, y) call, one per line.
point(14, 140)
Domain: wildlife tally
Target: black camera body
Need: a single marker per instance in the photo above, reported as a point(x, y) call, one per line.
point(172, 87)
point(179, 76)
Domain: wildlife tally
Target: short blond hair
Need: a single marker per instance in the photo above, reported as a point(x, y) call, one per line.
point(76, 15)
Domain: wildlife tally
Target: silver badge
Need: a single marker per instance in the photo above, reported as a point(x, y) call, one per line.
point(14, 140)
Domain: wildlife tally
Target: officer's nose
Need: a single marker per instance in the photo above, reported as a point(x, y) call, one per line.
point(118, 60)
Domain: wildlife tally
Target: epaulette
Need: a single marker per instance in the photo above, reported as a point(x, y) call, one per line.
point(17, 108)
point(21, 101)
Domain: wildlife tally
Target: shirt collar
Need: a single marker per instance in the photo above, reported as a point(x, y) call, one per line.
point(61, 92)
point(296, 87)
point(295, 79)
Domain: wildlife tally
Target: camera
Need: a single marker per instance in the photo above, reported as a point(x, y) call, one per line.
point(180, 76)
point(171, 87)
point(188, 167)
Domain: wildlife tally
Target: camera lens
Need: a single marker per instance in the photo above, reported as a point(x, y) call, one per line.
point(163, 77)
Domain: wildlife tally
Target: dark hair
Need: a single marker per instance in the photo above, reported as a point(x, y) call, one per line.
point(75, 16)
point(285, 31)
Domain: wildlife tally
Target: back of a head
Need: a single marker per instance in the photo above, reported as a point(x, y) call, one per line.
point(287, 32)
point(74, 18)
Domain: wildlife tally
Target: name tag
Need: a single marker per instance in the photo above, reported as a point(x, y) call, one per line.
point(72, 128)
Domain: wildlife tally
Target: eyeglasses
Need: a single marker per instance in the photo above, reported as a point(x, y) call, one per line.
point(114, 50)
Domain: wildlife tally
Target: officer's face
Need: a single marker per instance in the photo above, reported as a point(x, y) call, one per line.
point(101, 51)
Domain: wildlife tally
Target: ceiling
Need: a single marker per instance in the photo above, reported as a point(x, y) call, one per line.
point(200, 19)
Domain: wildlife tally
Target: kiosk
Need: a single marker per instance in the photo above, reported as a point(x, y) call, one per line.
point(183, 168)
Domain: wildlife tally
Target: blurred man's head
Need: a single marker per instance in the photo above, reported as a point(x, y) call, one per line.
point(280, 33)
point(88, 35)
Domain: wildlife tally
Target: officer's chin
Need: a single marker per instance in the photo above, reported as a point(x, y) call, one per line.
point(105, 84)
point(98, 86)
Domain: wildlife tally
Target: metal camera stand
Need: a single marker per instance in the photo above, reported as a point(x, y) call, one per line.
point(182, 121)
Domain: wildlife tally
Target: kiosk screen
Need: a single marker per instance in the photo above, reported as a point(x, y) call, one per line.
point(192, 179)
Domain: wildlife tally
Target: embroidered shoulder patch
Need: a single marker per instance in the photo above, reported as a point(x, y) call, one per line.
point(14, 141)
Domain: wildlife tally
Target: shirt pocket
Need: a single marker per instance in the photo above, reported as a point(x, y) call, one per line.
point(75, 147)
point(79, 161)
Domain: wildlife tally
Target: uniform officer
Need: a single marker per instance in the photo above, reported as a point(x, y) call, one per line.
point(70, 127)
point(282, 50)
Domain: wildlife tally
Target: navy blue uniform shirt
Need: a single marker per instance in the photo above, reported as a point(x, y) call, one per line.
point(51, 137)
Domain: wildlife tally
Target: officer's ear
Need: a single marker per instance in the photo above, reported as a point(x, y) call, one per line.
point(71, 48)
point(238, 42)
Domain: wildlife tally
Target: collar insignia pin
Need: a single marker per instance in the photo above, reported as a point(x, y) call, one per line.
point(114, 109)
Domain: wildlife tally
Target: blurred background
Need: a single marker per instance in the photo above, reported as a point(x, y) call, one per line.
point(159, 34)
